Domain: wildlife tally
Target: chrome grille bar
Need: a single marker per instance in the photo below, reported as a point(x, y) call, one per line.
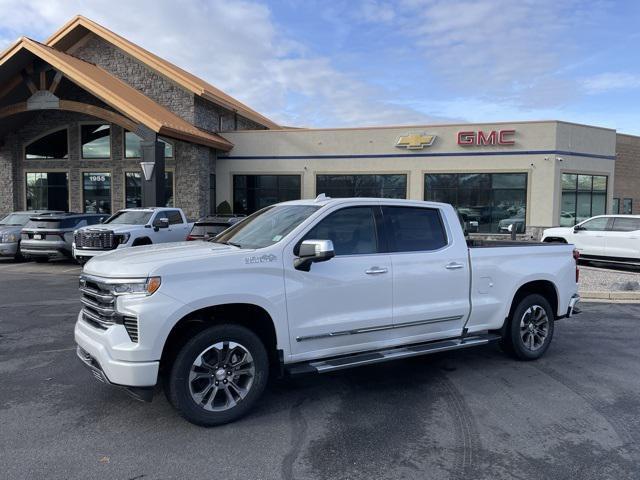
point(99, 305)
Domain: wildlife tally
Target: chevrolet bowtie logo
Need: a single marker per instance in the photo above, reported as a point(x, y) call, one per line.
point(415, 141)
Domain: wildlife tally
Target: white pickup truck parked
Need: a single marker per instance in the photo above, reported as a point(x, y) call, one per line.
point(131, 227)
point(312, 286)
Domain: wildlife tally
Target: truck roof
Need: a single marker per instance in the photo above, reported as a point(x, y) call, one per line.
point(323, 201)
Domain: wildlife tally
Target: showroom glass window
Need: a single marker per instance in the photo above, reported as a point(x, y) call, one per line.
point(95, 141)
point(377, 186)
point(583, 196)
point(96, 192)
point(212, 193)
point(47, 191)
point(486, 202)
point(53, 146)
point(133, 189)
point(616, 206)
point(253, 192)
point(133, 149)
point(627, 206)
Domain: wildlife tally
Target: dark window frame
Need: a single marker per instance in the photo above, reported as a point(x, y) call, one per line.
point(387, 229)
point(48, 206)
point(353, 176)
point(99, 124)
point(624, 201)
point(247, 189)
point(43, 136)
point(456, 189)
point(577, 190)
point(82, 189)
point(378, 225)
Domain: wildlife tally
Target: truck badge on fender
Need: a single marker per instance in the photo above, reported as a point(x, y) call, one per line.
point(261, 259)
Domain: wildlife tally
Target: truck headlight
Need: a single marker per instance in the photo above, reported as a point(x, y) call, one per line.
point(8, 238)
point(141, 287)
point(123, 237)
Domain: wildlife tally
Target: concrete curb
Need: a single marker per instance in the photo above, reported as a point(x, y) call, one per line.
point(606, 295)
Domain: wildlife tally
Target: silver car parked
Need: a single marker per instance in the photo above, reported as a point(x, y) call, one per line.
point(51, 236)
point(10, 227)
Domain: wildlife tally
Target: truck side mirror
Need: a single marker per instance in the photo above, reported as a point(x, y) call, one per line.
point(312, 251)
point(160, 223)
point(577, 228)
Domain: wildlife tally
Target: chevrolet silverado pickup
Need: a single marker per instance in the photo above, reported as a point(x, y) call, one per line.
point(312, 286)
point(131, 227)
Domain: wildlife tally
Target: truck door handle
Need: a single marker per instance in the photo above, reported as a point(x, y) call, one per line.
point(376, 271)
point(454, 266)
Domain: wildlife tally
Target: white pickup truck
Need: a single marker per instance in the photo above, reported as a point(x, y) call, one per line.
point(131, 227)
point(312, 286)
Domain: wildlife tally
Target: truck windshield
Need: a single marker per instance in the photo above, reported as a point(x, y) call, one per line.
point(266, 227)
point(130, 217)
point(15, 219)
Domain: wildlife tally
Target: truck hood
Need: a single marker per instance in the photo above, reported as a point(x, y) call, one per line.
point(10, 229)
point(112, 228)
point(144, 260)
point(552, 232)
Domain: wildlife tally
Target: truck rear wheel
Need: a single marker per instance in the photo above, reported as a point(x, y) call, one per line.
point(218, 375)
point(530, 328)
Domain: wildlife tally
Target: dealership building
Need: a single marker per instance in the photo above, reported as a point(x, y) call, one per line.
point(91, 122)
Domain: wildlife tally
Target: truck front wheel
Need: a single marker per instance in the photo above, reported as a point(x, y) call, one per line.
point(218, 375)
point(530, 328)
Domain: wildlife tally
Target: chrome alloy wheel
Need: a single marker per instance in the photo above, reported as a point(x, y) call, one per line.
point(221, 376)
point(534, 327)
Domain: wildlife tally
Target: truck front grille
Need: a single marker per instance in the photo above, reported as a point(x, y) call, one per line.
point(99, 308)
point(95, 239)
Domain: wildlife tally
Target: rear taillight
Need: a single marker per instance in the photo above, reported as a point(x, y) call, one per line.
point(190, 238)
point(576, 257)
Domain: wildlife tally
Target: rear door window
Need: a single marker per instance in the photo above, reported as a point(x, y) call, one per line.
point(414, 229)
point(621, 224)
point(174, 217)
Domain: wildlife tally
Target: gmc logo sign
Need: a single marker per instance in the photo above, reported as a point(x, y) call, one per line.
point(500, 137)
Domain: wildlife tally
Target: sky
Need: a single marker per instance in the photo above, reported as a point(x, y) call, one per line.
point(341, 63)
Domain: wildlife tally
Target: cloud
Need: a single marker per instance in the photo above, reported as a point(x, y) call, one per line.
point(606, 82)
point(500, 49)
point(236, 46)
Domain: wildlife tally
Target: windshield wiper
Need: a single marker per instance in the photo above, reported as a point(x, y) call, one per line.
point(233, 244)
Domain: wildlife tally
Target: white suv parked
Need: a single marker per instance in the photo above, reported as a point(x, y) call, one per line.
point(610, 238)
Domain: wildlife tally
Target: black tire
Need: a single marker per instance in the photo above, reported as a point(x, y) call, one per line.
point(178, 386)
point(41, 259)
point(525, 342)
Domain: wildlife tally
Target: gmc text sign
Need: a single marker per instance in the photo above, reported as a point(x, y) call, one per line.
point(493, 137)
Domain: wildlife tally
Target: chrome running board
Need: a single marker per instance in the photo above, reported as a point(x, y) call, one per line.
point(378, 356)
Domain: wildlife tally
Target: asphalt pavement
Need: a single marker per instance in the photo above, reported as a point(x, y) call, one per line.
point(472, 414)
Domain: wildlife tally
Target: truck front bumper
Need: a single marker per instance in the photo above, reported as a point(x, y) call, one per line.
point(8, 249)
point(94, 355)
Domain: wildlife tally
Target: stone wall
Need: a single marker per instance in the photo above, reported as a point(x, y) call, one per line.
point(136, 74)
point(7, 175)
point(627, 173)
point(47, 121)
